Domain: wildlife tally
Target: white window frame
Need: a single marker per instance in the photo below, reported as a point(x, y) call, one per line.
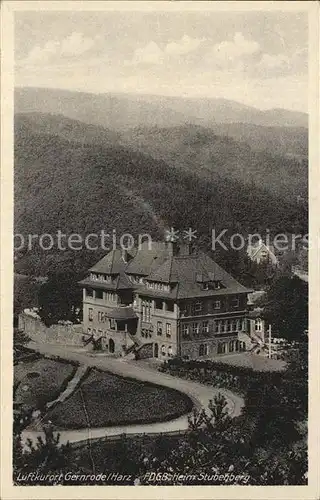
point(90, 313)
point(168, 329)
point(185, 330)
point(205, 329)
point(235, 302)
point(198, 307)
point(195, 328)
point(217, 304)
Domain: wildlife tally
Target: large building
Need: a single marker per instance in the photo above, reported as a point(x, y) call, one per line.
point(163, 301)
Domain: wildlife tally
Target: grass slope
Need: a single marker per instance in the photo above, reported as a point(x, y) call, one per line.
point(36, 391)
point(108, 400)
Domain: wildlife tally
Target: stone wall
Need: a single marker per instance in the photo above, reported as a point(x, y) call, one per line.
point(64, 334)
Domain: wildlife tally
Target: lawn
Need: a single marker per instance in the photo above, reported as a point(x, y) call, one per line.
point(40, 381)
point(253, 361)
point(104, 399)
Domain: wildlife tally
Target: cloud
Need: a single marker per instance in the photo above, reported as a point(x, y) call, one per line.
point(153, 54)
point(271, 62)
point(227, 53)
point(183, 46)
point(73, 45)
point(271, 65)
point(149, 54)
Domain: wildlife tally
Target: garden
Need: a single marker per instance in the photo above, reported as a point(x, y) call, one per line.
point(219, 374)
point(104, 399)
point(38, 381)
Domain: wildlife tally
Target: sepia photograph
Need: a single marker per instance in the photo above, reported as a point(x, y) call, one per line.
point(160, 256)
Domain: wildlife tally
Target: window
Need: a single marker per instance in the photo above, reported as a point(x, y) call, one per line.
point(217, 285)
point(195, 328)
point(221, 348)
point(146, 310)
point(89, 292)
point(198, 306)
point(168, 329)
point(231, 346)
point(111, 297)
point(102, 317)
point(163, 350)
point(183, 309)
point(205, 286)
point(258, 325)
point(159, 328)
point(185, 330)
point(217, 304)
point(205, 326)
point(169, 305)
point(90, 314)
point(217, 326)
point(170, 351)
point(203, 350)
point(158, 304)
point(111, 345)
point(99, 294)
point(112, 324)
point(235, 302)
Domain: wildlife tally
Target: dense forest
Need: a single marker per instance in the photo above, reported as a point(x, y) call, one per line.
point(93, 184)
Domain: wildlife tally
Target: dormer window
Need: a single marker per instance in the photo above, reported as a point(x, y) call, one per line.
point(198, 306)
point(217, 285)
point(205, 286)
point(235, 302)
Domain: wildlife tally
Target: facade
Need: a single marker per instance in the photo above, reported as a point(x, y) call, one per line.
point(164, 301)
point(262, 254)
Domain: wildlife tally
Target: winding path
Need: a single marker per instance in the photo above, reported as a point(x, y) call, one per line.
point(199, 393)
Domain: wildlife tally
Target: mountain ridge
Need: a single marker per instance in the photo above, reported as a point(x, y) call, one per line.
point(123, 111)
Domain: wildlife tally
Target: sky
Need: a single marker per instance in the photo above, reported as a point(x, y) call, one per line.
point(256, 58)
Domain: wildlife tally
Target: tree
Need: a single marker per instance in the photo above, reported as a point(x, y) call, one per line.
point(287, 307)
point(60, 298)
point(45, 457)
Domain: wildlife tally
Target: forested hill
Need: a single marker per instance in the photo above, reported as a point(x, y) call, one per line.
point(274, 159)
point(121, 111)
point(84, 188)
point(257, 158)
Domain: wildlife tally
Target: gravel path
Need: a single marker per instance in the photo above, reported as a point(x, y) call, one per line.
point(199, 393)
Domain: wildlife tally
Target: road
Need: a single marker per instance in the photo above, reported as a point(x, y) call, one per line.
point(199, 393)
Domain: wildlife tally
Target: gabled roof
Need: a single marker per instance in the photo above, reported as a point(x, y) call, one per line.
point(148, 258)
point(162, 273)
point(112, 263)
point(253, 250)
point(185, 273)
point(186, 269)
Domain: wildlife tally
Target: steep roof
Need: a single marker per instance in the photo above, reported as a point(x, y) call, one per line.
point(112, 263)
point(185, 273)
point(148, 258)
point(186, 269)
